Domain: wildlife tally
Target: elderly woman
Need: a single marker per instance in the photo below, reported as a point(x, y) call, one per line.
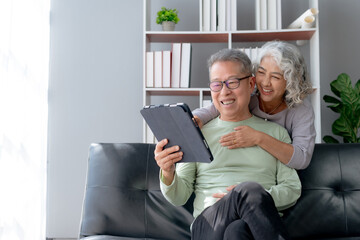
point(282, 87)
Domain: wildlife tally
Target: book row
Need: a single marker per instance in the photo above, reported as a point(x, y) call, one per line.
point(252, 52)
point(165, 69)
point(219, 15)
point(268, 14)
point(172, 69)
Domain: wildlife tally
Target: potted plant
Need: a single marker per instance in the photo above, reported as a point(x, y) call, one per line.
point(348, 106)
point(168, 18)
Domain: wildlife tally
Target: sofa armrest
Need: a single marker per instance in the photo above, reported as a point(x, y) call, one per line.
point(123, 197)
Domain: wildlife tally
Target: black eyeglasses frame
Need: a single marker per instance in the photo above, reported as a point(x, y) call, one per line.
point(226, 83)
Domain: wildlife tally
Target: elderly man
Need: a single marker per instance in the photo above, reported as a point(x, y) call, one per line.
point(238, 194)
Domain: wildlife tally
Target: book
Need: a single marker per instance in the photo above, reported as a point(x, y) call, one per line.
point(279, 15)
point(166, 75)
point(185, 65)
point(158, 69)
point(257, 14)
point(221, 15)
point(271, 15)
point(206, 15)
point(149, 69)
point(248, 52)
point(213, 15)
point(175, 65)
point(254, 53)
point(233, 17)
point(263, 14)
point(228, 16)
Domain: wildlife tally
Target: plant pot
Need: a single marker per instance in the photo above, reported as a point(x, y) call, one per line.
point(168, 26)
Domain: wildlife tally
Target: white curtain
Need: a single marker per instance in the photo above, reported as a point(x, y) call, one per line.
point(24, 64)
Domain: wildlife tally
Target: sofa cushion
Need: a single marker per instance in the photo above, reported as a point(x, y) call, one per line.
point(123, 196)
point(329, 205)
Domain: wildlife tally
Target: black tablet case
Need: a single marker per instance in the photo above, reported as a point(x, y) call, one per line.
point(174, 122)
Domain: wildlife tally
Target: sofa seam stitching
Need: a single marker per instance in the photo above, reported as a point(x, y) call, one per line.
point(342, 192)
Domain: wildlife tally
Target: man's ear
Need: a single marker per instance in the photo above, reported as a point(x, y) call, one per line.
point(252, 83)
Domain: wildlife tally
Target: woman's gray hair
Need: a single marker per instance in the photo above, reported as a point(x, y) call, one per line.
point(233, 55)
point(292, 64)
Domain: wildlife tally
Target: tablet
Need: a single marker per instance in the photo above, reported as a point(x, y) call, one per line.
point(175, 123)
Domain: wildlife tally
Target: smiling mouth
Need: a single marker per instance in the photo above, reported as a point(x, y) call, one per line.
point(266, 91)
point(227, 102)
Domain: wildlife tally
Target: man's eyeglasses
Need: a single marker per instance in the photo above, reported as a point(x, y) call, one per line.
point(232, 83)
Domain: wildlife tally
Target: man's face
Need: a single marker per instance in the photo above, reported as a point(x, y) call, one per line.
point(233, 104)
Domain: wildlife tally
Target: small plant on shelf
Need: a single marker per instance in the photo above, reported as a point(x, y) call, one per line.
point(348, 106)
point(168, 18)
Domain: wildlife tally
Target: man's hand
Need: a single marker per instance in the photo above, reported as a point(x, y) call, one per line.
point(221, 195)
point(243, 136)
point(166, 159)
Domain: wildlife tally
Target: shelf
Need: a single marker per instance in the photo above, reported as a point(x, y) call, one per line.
point(237, 36)
point(177, 91)
point(193, 37)
point(161, 40)
point(263, 36)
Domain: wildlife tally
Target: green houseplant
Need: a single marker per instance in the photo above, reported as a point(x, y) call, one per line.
point(348, 106)
point(168, 18)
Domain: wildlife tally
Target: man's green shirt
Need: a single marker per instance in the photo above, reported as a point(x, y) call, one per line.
point(234, 166)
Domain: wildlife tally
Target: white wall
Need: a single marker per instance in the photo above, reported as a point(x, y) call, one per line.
point(339, 49)
point(94, 95)
point(96, 83)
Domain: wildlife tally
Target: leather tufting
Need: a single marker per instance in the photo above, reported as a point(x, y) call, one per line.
point(329, 205)
point(123, 200)
point(123, 196)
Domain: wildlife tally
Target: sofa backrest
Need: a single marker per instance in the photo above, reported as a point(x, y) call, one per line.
point(123, 197)
point(329, 205)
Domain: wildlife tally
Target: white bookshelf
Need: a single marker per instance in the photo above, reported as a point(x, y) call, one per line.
point(230, 38)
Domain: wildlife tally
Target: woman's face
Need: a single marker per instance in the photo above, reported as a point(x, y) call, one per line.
point(270, 81)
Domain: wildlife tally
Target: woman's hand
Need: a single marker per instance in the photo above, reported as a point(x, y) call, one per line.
point(198, 121)
point(243, 136)
point(166, 159)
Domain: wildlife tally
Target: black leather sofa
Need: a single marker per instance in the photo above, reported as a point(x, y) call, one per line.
point(123, 200)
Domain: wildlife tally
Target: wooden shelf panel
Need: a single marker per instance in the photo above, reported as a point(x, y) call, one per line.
point(177, 91)
point(284, 35)
point(237, 36)
point(192, 37)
